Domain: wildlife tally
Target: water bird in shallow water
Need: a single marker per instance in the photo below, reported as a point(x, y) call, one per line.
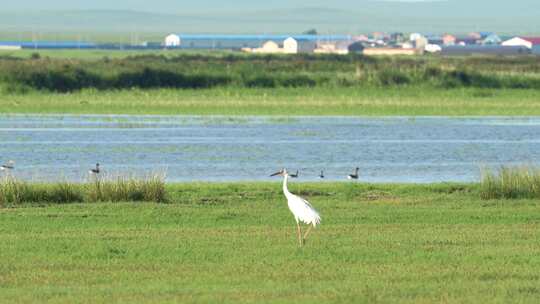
point(322, 174)
point(9, 165)
point(354, 175)
point(94, 170)
point(294, 175)
point(300, 208)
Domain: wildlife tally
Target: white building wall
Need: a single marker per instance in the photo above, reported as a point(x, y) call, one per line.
point(290, 46)
point(516, 41)
point(415, 36)
point(269, 47)
point(172, 40)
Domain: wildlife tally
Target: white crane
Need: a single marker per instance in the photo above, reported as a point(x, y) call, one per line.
point(354, 175)
point(300, 208)
point(10, 165)
point(322, 174)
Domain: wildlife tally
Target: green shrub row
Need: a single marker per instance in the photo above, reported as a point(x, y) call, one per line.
point(269, 71)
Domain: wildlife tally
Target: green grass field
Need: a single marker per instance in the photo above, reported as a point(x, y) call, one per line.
point(281, 101)
point(228, 83)
point(235, 243)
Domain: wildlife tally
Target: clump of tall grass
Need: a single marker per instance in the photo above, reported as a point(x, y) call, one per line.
point(13, 191)
point(510, 182)
point(127, 189)
point(121, 189)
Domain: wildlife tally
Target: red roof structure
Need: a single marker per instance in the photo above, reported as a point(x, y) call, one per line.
point(533, 40)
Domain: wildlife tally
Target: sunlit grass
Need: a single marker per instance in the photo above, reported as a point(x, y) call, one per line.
point(235, 243)
point(412, 101)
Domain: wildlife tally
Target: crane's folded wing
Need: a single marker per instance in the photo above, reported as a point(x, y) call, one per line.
point(303, 210)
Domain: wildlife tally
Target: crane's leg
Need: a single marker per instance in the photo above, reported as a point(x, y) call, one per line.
point(300, 241)
point(307, 232)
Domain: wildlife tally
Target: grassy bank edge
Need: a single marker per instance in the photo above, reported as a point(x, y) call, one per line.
point(24, 193)
point(369, 101)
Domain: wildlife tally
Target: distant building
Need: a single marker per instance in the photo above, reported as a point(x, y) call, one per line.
point(269, 47)
point(432, 48)
point(492, 39)
point(466, 40)
point(246, 41)
point(475, 36)
point(484, 50)
point(479, 35)
point(290, 46)
point(528, 42)
point(341, 48)
point(172, 40)
point(57, 45)
point(360, 38)
point(420, 42)
point(356, 47)
point(534, 40)
point(448, 39)
point(517, 41)
point(391, 52)
point(379, 36)
point(407, 45)
point(484, 35)
point(433, 39)
point(10, 47)
point(293, 46)
point(415, 36)
point(397, 37)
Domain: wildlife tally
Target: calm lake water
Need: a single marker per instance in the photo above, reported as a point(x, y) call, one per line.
point(219, 148)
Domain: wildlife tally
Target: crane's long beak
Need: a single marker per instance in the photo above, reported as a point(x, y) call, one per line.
point(277, 173)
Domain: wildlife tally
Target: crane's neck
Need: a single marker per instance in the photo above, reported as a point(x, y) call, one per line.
point(285, 189)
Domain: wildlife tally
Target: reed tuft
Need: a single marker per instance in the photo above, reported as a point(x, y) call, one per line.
point(510, 182)
point(120, 189)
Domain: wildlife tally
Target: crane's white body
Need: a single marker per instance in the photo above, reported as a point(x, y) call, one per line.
point(300, 208)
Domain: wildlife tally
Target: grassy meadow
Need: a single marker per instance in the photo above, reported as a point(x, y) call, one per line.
point(234, 243)
point(410, 101)
point(178, 82)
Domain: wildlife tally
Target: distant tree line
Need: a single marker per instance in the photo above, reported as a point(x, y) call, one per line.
point(198, 71)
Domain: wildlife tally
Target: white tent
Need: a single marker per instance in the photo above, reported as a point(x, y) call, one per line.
point(432, 48)
point(517, 41)
point(172, 40)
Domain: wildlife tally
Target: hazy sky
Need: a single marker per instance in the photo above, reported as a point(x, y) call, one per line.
point(175, 6)
point(238, 16)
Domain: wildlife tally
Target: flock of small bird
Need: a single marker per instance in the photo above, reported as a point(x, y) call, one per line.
point(350, 176)
point(10, 165)
point(301, 209)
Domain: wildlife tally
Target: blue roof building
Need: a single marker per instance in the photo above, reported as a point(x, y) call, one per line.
point(222, 41)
